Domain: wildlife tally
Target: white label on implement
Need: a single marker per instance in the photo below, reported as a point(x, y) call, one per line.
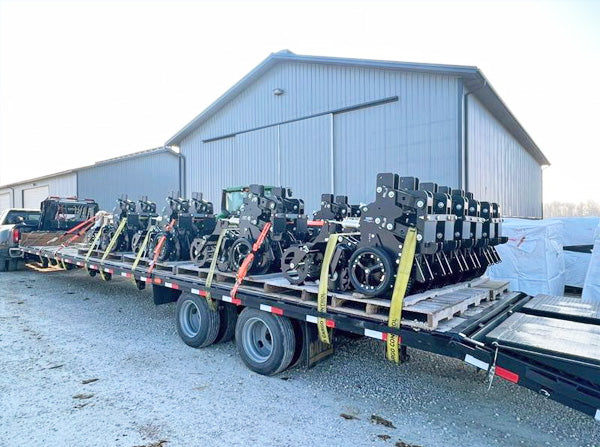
point(143, 278)
point(169, 285)
point(227, 298)
point(196, 291)
point(374, 334)
point(312, 319)
point(476, 362)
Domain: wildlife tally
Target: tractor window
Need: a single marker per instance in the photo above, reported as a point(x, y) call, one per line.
point(235, 200)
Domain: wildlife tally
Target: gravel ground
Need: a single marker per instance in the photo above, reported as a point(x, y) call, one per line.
point(59, 330)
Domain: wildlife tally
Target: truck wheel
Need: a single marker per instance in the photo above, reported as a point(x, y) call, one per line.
point(265, 342)
point(197, 325)
point(228, 317)
point(13, 265)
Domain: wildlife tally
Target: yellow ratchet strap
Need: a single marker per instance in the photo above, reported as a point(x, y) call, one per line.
point(113, 240)
point(323, 287)
point(110, 246)
point(402, 277)
point(93, 246)
point(211, 270)
point(141, 250)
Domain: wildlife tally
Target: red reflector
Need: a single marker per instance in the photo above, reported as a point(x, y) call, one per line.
point(506, 374)
point(276, 310)
point(236, 301)
point(157, 280)
point(202, 293)
point(330, 323)
point(384, 336)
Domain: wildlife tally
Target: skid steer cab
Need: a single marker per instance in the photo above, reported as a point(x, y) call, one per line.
point(60, 213)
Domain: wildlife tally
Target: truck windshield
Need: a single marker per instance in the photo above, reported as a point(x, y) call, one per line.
point(29, 217)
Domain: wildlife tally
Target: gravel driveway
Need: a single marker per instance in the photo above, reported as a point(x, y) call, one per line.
point(87, 363)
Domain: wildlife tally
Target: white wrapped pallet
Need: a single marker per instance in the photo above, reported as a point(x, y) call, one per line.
point(577, 232)
point(532, 259)
point(591, 287)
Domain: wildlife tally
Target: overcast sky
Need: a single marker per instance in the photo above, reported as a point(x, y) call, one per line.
point(83, 81)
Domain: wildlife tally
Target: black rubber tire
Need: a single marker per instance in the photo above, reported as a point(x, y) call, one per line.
point(4, 264)
point(209, 321)
point(282, 336)
point(385, 285)
point(228, 315)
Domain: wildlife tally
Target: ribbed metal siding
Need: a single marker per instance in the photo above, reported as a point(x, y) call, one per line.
point(499, 168)
point(305, 159)
point(63, 185)
point(241, 160)
point(153, 175)
point(416, 135)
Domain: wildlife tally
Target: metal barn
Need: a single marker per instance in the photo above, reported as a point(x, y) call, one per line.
point(154, 173)
point(29, 193)
point(321, 124)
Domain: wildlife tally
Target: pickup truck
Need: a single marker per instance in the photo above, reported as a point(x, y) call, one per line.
point(14, 222)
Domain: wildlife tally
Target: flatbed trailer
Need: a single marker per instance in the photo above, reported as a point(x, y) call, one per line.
point(550, 345)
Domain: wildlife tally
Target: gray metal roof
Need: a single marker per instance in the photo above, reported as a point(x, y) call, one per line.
point(138, 154)
point(473, 78)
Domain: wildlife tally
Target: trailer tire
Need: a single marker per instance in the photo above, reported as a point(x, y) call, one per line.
point(197, 325)
point(228, 317)
point(266, 342)
point(13, 265)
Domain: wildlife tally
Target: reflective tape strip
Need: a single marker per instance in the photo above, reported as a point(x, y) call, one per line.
point(157, 280)
point(506, 374)
point(108, 270)
point(229, 299)
point(376, 334)
point(172, 285)
point(143, 278)
point(597, 417)
point(312, 319)
point(79, 263)
point(94, 267)
point(126, 275)
point(476, 362)
point(271, 309)
point(198, 292)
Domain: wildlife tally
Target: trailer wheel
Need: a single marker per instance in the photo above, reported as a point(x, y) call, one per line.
point(266, 342)
point(228, 317)
point(197, 325)
point(371, 271)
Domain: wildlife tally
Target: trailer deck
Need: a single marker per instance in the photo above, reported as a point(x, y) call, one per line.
point(549, 345)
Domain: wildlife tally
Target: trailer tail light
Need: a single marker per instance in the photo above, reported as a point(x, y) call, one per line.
point(507, 375)
point(16, 235)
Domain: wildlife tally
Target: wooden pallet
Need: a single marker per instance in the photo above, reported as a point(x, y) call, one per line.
point(47, 238)
point(425, 310)
point(495, 288)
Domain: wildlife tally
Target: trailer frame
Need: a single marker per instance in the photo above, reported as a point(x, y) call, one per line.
point(570, 382)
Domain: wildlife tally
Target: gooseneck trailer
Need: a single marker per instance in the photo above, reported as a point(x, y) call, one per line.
point(550, 345)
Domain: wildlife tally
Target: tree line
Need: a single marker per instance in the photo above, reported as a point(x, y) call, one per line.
point(570, 209)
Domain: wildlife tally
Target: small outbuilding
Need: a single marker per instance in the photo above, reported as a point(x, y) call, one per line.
point(153, 172)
